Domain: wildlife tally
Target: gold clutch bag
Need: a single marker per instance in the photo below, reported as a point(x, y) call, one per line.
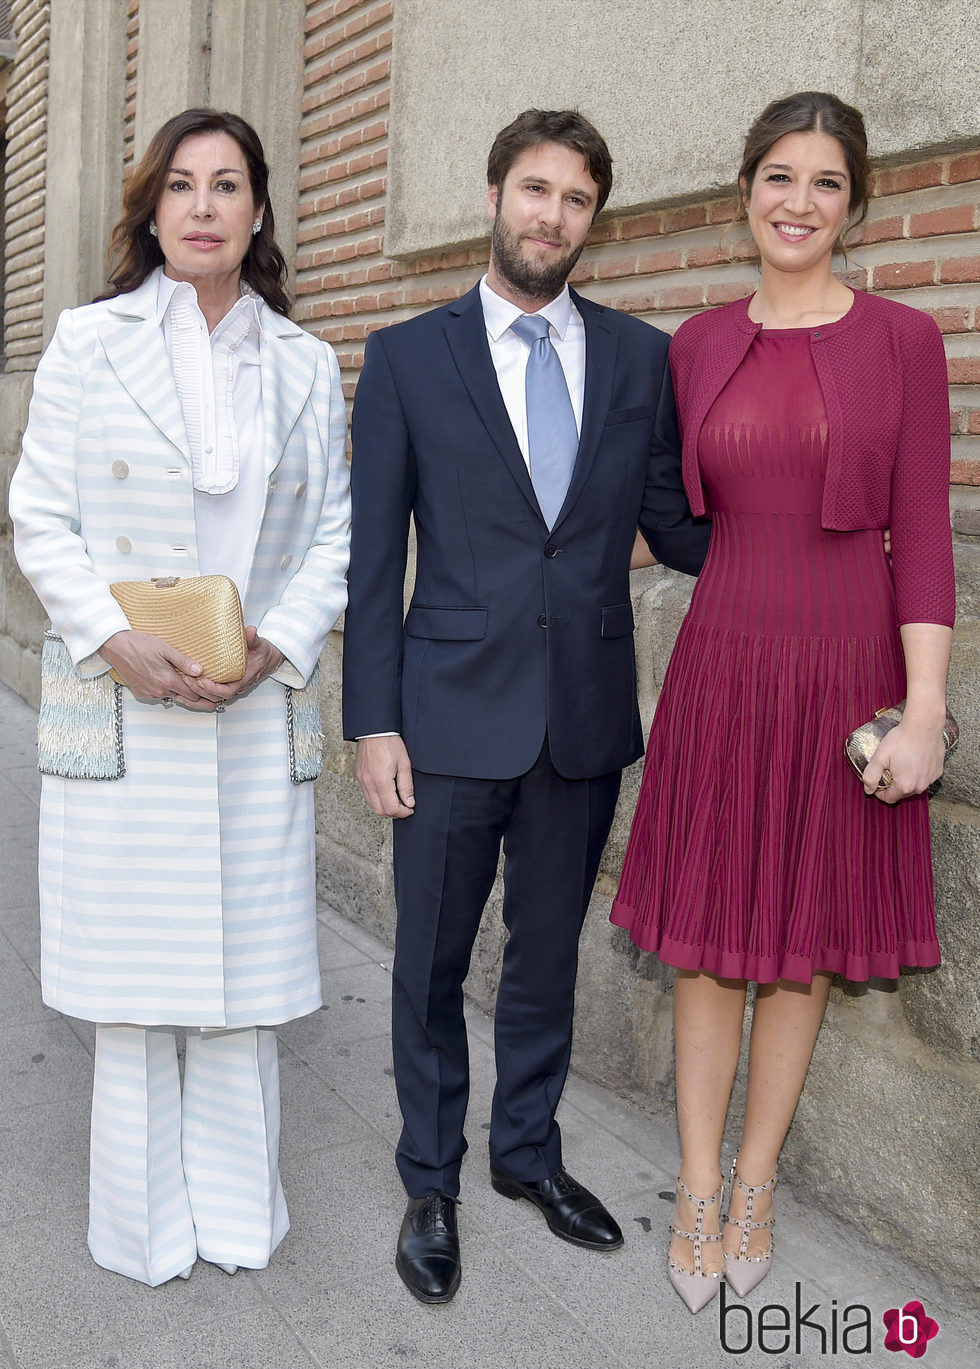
point(863, 742)
point(200, 615)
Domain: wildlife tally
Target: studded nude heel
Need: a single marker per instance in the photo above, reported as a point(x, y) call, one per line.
point(742, 1270)
point(697, 1288)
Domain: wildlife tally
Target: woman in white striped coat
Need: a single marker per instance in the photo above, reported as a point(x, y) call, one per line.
point(184, 426)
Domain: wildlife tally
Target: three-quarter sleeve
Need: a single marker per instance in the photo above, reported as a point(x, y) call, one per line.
point(922, 554)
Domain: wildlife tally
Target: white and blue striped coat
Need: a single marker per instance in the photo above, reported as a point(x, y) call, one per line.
point(184, 892)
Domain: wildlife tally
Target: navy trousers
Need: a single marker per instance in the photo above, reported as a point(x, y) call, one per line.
point(445, 858)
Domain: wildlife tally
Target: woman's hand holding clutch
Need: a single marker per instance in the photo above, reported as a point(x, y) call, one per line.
point(263, 659)
point(156, 671)
point(913, 754)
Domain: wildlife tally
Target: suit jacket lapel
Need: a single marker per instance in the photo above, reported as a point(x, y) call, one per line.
point(600, 366)
point(466, 333)
point(288, 373)
point(134, 346)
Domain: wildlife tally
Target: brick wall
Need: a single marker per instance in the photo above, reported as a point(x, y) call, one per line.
point(920, 242)
point(921, 245)
point(132, 73)
point(25, 171)
point(343, 155)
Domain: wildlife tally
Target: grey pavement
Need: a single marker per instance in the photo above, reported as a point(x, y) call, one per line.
point(330, 1296)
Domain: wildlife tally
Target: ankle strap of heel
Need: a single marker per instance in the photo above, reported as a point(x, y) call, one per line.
point(700, 1202)
point(759, 1188)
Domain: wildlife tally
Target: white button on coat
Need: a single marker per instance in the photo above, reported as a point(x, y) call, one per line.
point(120, 469)
point(285, 563)
point(124, 545)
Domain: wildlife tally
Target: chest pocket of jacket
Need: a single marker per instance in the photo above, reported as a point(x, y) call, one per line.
point(447, 624)
point(629, 415)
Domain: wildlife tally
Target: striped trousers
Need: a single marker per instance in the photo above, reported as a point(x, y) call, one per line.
point(179, 1173)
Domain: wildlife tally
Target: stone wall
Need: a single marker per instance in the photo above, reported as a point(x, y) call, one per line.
point(673, 88)
point(887, 1125)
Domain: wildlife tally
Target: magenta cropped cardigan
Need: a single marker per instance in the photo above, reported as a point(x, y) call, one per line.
point(882, 370)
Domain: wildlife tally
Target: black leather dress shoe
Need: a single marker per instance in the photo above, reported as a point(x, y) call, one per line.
point(428, 1248)
point(571, 1211)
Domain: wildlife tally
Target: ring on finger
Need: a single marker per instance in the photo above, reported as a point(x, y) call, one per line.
point(887, 779)
point(167, 701)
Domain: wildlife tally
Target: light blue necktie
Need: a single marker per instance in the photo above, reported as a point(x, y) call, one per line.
point(552, 437)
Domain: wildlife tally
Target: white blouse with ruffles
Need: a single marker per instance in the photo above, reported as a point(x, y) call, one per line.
point(219, 382)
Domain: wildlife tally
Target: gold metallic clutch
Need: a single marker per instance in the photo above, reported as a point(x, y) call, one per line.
point(863, 742)
point(200, 615)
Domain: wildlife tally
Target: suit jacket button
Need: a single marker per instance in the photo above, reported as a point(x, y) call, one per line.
point(120, 470)
point(124, 545)
point(551, 550)
point(543, 620)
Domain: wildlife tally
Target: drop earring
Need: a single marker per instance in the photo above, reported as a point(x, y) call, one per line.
point(256, 226)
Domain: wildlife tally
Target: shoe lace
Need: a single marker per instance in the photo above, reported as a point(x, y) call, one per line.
point(432, 1215)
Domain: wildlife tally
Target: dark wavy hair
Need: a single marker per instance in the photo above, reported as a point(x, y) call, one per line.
point(811, 111)
point(134, 253)
point(563, 126)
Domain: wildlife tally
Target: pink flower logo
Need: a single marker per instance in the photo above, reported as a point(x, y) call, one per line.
point(909, 1329)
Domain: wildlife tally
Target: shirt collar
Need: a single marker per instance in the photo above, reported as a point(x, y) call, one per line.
point(172, 293)
point(500, 313)
point(165, 292)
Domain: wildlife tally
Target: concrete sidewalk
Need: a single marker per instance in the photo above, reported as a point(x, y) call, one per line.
point(330, 1297)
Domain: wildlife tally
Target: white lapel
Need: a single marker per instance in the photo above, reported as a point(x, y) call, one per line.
point(133, 343)
point(288, 372)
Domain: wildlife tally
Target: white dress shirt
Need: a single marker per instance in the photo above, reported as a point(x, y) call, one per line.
point(219, 383)
point(510, 354)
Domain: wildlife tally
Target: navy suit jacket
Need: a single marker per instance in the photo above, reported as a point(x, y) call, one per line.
point(513, 632)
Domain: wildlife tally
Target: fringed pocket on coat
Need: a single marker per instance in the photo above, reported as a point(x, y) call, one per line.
point(79, 726)
point(304, 725)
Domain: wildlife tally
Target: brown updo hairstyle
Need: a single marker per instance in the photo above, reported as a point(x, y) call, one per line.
point(134, 253)
point(811, 111)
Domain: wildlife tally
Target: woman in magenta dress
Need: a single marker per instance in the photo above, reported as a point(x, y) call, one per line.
point(813, 418)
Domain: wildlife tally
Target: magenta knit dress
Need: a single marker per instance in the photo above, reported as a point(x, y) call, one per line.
point(755, 853)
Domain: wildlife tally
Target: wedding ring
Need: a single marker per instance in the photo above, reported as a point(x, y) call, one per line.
point(167, 701)
point(887, 779)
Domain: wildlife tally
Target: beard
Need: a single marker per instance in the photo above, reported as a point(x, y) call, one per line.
point(534, 280)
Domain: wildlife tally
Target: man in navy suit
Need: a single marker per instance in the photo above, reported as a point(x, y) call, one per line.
point(503, 707)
